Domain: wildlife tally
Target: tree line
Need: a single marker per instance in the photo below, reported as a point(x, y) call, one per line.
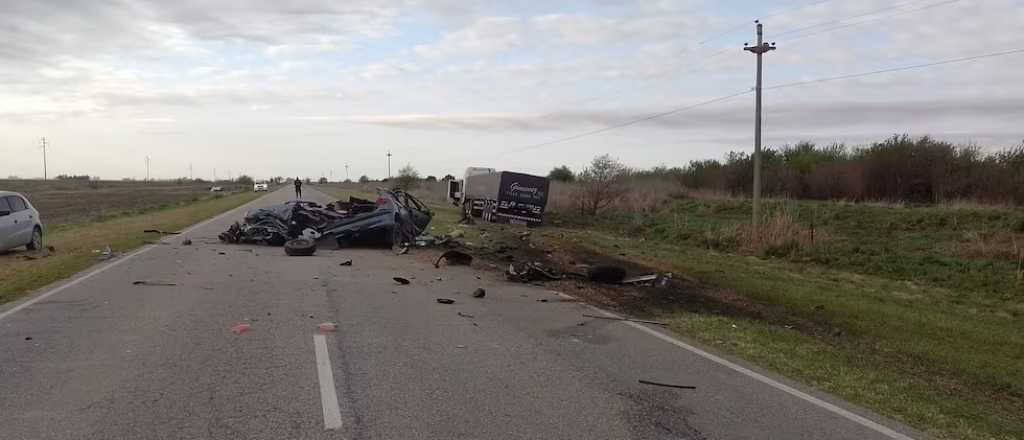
point(899, 168)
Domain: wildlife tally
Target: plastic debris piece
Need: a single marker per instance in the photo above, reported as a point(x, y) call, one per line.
point(465, 315)
point(345, 263)
point(460, 346)
point(186, 242)
point(479, 292)
point(659, 384)
point(241, 328)
point(152, 283)
point(327, 327)
point(446, 301)
point(401, 280)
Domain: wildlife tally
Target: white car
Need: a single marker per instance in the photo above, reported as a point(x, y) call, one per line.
point(261, 187)
point(20, 224)
point(216, 189)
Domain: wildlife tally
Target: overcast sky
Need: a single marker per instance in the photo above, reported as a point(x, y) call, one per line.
point(302, 87)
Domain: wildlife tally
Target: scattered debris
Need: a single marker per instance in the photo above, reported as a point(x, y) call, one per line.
point(606, 274)
point(543, 300)
point(642, 321)
point(221, 253)
point(454, 258)
point(186, 242)
point(157, 231)
point(465, 315)
point(659, 384)
point(525, 235)
point(460, 346)
point(457, 233)
point(42, 253)
point(401, 281)
point(402, 250)
point(153, 283)
point(446, 301)
point(345, 263)
point(28, 338)
point(654, 279)
point(479, 292)
point(527, 272)
point(300, 247)
point(241, 328)
point(327, 327)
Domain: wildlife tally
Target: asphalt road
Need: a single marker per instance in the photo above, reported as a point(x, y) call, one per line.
point(101, 358)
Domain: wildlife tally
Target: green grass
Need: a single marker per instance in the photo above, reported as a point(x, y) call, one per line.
point(75, 243)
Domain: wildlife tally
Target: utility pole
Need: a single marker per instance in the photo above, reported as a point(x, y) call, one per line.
point(346, 171)
point(190, 172)
point(147, 168)
point(43, 142)
point(389, 164)
point(760, 49)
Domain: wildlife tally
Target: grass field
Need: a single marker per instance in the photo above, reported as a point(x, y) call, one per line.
point(116, 221)
point(68, 202)
point(914, 312)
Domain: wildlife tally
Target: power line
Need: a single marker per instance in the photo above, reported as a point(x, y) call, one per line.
point(762, 17)
point(834, 21)
point(896, 69)
point(630, 122)
point(884, 17)
point(778, 86)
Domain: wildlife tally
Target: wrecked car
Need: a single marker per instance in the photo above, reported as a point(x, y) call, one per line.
point(395, 218)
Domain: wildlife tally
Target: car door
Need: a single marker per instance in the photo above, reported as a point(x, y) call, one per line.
point(22, 230)
point(6, 224)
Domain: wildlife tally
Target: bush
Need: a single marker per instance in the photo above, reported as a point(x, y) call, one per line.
point(244, 179)
point(364, 179)
point(408, 179)
point(600, 185)
point(562, 174)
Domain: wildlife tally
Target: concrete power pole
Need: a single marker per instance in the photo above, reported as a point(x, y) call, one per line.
point(760, 49)
point(389, 164)
point(147, 168)
point(346, 172)
point(43, 143)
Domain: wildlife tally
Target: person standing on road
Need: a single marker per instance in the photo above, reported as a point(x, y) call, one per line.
point(298, 188)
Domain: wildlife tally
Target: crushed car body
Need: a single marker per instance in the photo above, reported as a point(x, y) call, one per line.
point(396, 217)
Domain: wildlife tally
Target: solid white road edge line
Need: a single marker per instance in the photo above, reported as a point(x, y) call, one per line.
point(116, 262)
point(328, 395)
point(846, 414)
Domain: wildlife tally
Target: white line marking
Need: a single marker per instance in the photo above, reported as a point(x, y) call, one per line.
point(328, 395)
point(864, 421)
point(114, 263)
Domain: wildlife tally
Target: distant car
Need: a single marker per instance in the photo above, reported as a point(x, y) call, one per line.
point(261, 187)
point(20, 224)
point(216, 189)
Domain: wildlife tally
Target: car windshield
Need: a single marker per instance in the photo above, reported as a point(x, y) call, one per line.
point(518, 219)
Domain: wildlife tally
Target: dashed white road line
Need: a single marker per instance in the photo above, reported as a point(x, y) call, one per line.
point(839, 411)
point(328, 394)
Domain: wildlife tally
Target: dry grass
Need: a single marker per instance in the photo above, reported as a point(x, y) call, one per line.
point(990, 245)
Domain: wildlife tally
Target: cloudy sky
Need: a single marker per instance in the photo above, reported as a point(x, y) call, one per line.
point(304, 87)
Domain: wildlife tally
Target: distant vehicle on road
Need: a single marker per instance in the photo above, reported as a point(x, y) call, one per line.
point(216, 189)
point(20, 224)
point(261, 187)
point(501, 196)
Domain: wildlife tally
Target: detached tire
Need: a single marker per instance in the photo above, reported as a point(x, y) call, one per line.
point(300, 247)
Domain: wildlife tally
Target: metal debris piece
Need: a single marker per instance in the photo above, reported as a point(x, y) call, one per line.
point(527, 272)
point(157, 231)
point(659, 384)
point(186, 242)
point(345, 263)
point(454, 258)
point(465, 315)
point(401, 280)
point(241, 328)
point(402, 250)
point(642, 321)
point(28, 338)
point(479, 292)
point(152, 283)
point(446, 301)
point(327, 327)
point(460, 346)
point(654, 279)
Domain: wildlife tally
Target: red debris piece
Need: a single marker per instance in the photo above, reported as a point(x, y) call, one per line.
point(240, 328)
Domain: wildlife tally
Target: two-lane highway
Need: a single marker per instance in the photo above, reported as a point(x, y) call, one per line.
point(107, 359)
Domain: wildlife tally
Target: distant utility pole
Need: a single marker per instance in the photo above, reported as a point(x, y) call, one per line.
point(389, 164)
point(346, 171)
point(43, 143)
point(147, 168)
point(760, 49)
point(190, 172)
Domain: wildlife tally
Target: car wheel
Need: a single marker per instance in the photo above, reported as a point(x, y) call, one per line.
point(300, 247)
point(37, 239)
